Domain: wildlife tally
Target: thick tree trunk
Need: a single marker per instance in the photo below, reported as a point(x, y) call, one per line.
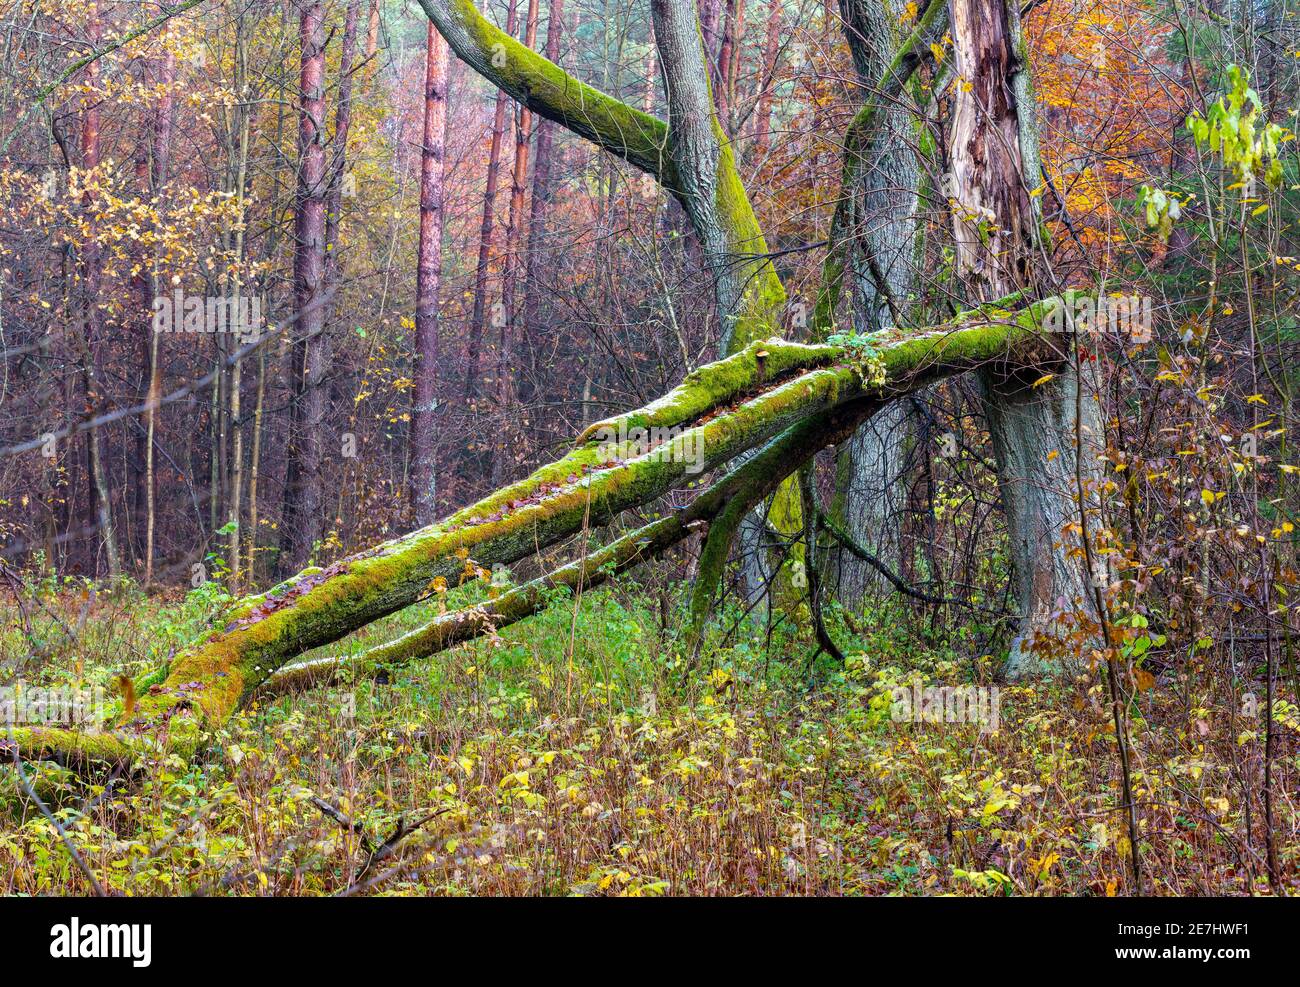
point(750, 296)
point(1045, 437)
point(424, 436)
point(304, 494)
point(879, 242)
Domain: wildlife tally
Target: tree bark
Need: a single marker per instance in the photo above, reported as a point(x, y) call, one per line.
point(751, 299)
point(476, 323)
point(424, 436)
point(304, 495)
point(1045, 434)
point(91, 343)
point(161, 160)
point(879, 236)
point(767, 81)
point(513, 275)
point(750, 296)
point(540, 207)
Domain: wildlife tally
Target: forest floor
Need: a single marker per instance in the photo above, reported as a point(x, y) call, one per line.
point(579, 753)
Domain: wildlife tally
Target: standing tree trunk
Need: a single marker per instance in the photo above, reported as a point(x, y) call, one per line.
point(304, 494)
point(751, 299)
point(339, 162)
point(161, 158)
point(878, 229)
point(1045, 437)
point(424, 464)
point(242, 118)
point(540, 207)
point(513, 272)
point(90, 341)
point(767, 81)
point(485, 233)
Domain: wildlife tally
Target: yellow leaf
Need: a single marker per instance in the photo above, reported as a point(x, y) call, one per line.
point(1042, 380)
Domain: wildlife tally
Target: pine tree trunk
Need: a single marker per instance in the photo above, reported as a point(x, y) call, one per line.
point(476, 322)
point(304, 495)
point(513, 277)
point(424, 465)
point(540, 207)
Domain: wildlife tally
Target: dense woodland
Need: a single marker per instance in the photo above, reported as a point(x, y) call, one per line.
point(551, 447)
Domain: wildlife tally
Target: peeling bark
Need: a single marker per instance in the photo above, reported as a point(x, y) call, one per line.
point(1044, 437)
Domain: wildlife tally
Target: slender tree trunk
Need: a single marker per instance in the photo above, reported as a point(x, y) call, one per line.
point(305, 495)
point(711, 30)
point(92, 329)
point(771, 51)
point(424, 445)
point(234, 499)
point(540, 207)
point(339, 163)
point(723, 74)
point(485, 234)
point(514, 269)
point(372, 37)
point(651, 73)
point(161, 158)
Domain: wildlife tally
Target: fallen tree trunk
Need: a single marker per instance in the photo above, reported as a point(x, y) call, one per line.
point(719, 412)
point(739, 490)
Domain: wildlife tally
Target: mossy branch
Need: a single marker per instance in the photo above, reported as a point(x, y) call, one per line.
point(736, 493)
point(546, 89)
point(208, 681)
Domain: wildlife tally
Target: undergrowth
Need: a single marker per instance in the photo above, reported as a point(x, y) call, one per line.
point(581, 753)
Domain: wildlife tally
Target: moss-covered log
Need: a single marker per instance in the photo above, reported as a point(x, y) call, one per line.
point(721, 412)
point(745, 485)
